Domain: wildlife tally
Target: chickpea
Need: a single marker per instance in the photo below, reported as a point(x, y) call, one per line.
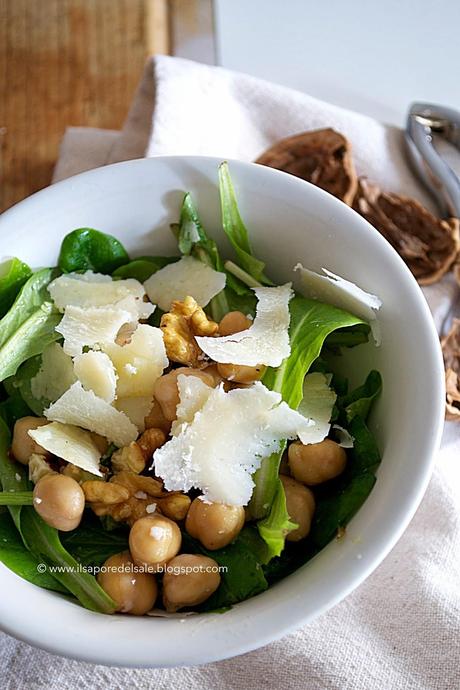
point(214, 524)
point(284, 465)
point(153, 541)
point(23, 445)
point(156, 419)
point(240, 373)
point(317, 462)
point(189, 580)
point(300, 504)
point(100, 442)
point(211, 370)
point(166, 392)
point(59, 500)
point(233, 322)
point(133, 592)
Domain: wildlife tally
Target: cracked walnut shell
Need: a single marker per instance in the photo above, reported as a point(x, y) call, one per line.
point(427, 244)
point(451, 353)
point(322, 157)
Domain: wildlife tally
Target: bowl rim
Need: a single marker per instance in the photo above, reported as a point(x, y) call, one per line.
point(56, 644)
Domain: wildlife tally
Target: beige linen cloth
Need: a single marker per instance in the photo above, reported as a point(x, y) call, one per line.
point(401, 628)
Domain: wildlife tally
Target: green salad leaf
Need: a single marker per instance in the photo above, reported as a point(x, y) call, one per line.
point(13, 408)
point(29, 325)
point(337, 501)
point(243, 578)
point(236, 230)
point(86, 249)
point(20, 560)
point(311, 323)
point(92, 545)
point(359, 401)
point(13, 275)
point(42, 541)
point(142, 268)
point(276, 525)
point(193, 240)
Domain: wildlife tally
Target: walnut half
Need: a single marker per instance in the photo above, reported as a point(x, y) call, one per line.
point(180, 325)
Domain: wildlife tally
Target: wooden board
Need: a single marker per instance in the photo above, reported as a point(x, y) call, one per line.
point(64, 63)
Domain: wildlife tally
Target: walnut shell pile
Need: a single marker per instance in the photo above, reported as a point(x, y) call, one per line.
point(322, 157)
point(428, 245)
point(451, 352)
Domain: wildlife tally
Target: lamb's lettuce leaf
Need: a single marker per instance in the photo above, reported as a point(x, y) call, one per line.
point(29, 325)
point(42, 541)
point(13, 275)
point(87, 249)
point(236, 230)
point(142, 268)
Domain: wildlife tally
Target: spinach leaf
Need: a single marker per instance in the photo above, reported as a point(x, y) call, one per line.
point(42, 541)
point(17, 558)
point(92, 546)
point(235, 229)
point(244, 577)
point(142, 268)
point(29, 325)
point(359, 401)
point(13, 275)
point(87, 249)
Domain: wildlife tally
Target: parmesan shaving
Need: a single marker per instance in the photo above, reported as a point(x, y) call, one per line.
point(97, 290)
point(341, 293)
point(69, 443)
point(55, 375)
point(188, 276)
point(136, 409)
point(138, 363)
point(220, 449)
point(96, 373)
point(266, 341)
point(83, 408)
point(193, 393)
point(317, 403)
point(91, 326)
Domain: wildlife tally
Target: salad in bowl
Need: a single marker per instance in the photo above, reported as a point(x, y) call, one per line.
point(177, 433)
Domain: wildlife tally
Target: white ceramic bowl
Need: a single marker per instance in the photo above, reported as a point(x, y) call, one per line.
point(289, 221)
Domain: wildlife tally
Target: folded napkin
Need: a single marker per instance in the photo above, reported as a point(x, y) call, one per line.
point(400, 629)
